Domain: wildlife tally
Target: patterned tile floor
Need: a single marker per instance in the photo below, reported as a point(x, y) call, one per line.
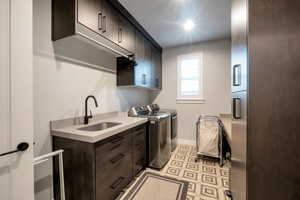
point(207, 180)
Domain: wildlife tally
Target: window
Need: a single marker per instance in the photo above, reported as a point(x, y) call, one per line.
point(189, 77)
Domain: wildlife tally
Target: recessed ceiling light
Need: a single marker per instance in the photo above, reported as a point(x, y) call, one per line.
point(188, 25)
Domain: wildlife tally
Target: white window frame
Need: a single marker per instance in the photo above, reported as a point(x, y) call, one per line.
point(190, 99)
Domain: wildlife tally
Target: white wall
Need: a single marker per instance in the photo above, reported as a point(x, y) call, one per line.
point(216, 85)
point(60, 88)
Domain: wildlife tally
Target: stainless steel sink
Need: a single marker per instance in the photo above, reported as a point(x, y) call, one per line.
point(99, 127)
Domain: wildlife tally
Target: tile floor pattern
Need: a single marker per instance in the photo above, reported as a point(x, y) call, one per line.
point(207, 180)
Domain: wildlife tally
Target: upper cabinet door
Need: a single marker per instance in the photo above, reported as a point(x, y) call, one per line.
point(90, 13)
point(157, 68)
point(140, 59)
point(109, 22)
point(158, 65)
point(148, 64)
point(239, 54)
point(152, 66)
point(126, 34)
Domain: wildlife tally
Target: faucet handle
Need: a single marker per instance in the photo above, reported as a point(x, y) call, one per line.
point(91, 114)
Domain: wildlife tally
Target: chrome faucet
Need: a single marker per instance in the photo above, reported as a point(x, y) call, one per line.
point(86, 116)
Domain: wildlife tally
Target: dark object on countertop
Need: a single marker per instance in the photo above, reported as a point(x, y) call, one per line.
point(86, 116)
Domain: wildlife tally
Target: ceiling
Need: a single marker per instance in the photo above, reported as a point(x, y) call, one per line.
point(164, 19)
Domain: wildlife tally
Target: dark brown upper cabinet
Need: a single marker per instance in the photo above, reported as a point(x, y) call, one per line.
point(93, 21)
point(108, 25)
point(147, 72)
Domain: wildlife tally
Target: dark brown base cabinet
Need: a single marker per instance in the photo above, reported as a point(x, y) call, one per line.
point(100, 171)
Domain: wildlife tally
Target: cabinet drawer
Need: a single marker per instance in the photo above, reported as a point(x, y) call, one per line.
point(107, 150)
point(139, 165)
point(139, 136)
point(139, 149)
point(139, 161)
point(111, 178)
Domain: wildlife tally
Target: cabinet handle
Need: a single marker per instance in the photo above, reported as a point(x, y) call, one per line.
point(140, 146)
point(144, 79)
point(157, 82)
point(104, 24)
point(117, 158)
point(237, 75)
point(140, 161)
point(236, 108)
point(99, 21)
point(117, 183)
point(140, 132)
point(115, 147)
point(120, 35)
point(115, 140)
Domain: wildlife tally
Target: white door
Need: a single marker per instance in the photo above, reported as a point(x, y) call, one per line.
point(16, 99)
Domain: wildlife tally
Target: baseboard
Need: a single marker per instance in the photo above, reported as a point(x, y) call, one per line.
point(184, 141)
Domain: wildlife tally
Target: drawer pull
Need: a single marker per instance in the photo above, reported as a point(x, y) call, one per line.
point(140, 161)
point(117, 183)
point(140, 132)
point(140, 146)
point(115, 147)
point(117, 158)
point(117, 140)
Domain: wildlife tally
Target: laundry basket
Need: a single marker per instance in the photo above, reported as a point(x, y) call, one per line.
point(209, 137)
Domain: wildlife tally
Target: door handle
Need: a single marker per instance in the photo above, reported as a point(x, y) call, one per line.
point(21, 147)
point(237, 110)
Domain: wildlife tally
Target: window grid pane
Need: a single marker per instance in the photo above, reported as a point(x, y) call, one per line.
point(189, 77)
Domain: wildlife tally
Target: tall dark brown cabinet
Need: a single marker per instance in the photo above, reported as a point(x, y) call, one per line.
point(266, 96)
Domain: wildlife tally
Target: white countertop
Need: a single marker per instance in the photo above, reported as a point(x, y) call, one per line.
point(72, 132)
